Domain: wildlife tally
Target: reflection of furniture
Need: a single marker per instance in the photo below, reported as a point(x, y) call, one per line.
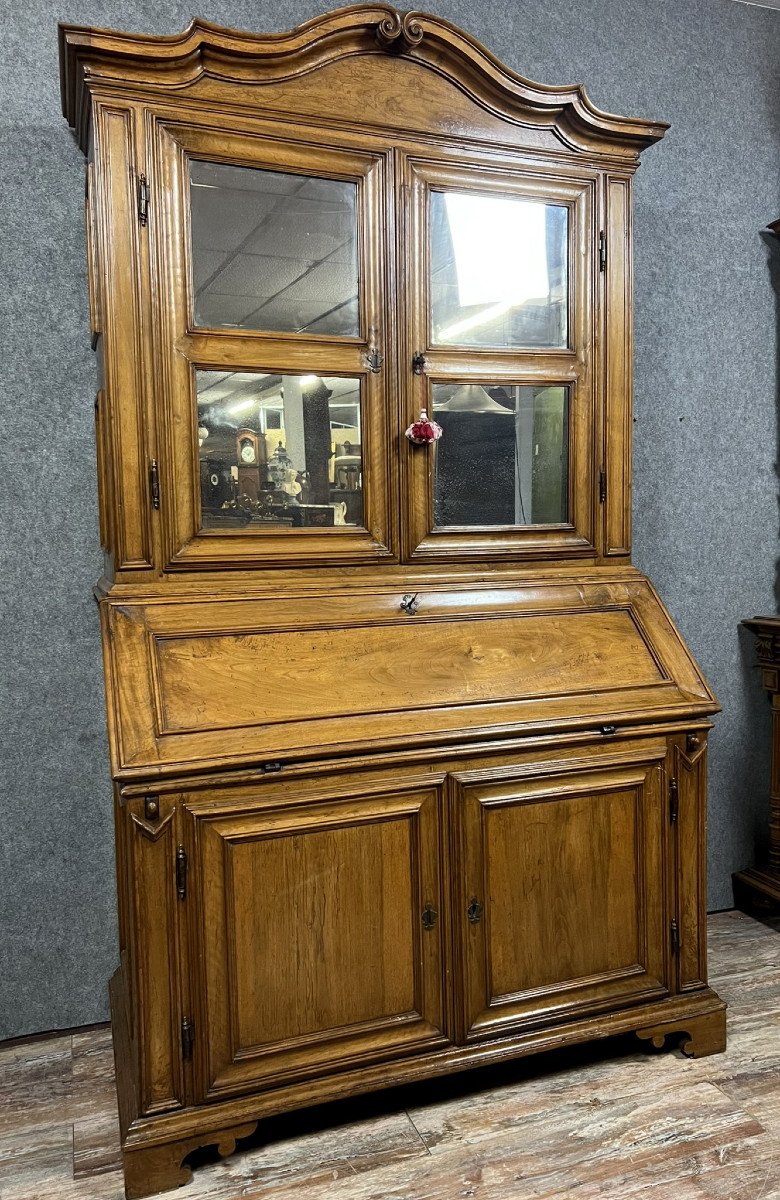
point(354, 502)
point(216, 484)
point(475, 465)
point(759, 887)
point(475, 460)
point(250, 457)
point(391, 799)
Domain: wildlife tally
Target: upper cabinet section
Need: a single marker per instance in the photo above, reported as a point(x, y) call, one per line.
point(301, 242)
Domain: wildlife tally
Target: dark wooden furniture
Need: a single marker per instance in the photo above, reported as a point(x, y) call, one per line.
point(759, 887)
point(397, 792)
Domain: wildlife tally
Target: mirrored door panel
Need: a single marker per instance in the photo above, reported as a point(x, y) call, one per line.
point(273, 250)
point(501, 358)
point(279, 450)
point(498, 271)
point(275, 260)
point(502, 460)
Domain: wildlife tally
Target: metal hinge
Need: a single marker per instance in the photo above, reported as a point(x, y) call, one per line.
point(154, 483)
point(602, 486)
point(143, 200)
point(674, 934)
point(181, 873)
point(187, 1039)
point(674, 801)
point(602, 251)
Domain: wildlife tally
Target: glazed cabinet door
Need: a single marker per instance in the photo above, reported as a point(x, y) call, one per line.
point(272, 382)
point(501, 356)
point(560, 896)
point(315, 932)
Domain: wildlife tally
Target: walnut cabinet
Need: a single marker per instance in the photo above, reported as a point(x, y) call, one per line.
point(409, 761)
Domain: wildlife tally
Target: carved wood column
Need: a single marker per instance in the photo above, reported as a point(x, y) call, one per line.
point(759, 887)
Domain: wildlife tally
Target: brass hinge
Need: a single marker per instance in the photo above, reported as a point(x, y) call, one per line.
point(674, 801)
point(143, 200)
point(602, 251)
point(181, 873)
point(154, 483)
point(187, 1039)
point(674, 934)
point(602, 486)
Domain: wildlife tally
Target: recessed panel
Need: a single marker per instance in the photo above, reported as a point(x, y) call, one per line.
point(336, 906)
point(279, 451)
point(541, 933)
point(260, 678)
point(273, 250)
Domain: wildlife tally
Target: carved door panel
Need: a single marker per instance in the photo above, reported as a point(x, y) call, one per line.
point(315, 933)
point(560, 897)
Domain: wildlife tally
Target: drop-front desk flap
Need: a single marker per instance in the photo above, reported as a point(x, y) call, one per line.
point(204, 683)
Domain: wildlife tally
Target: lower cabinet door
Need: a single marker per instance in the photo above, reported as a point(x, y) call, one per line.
point(315, 932)
point(559, 898)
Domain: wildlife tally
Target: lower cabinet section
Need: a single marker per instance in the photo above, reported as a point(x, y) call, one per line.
point(306, 935)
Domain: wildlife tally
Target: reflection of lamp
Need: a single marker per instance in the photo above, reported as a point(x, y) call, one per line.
point(203, 433)
point(472, 398)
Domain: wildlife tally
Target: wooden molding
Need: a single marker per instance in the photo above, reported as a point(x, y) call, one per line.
point(91, 57)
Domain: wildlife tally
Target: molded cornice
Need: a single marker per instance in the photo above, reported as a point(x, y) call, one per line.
point(94, 57)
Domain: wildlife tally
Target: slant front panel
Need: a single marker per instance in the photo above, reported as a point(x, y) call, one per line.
point(225, 680)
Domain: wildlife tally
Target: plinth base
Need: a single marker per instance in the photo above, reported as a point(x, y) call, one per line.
point(757, 890)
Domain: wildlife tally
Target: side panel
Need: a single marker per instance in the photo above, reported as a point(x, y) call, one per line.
point(619, 369)
point(689, 757)
point(151, 856)
point(118, 257)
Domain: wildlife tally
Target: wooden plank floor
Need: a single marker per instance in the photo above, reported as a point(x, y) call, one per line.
point(606, 1120)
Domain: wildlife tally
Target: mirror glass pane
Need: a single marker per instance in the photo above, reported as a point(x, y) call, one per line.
point(279, 450)
point(503, 456)
point(273, 251)
point(499, 271)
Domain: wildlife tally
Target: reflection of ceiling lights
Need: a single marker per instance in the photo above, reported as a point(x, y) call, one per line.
point(500, 248)
point(242, 406)
point(307, 380)
point(473, 322)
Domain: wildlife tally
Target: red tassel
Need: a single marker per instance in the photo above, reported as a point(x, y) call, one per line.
point(424, 431)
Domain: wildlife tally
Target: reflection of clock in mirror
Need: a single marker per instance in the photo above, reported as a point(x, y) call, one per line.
point(249, 452)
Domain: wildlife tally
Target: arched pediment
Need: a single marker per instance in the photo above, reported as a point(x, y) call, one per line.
point(92, 57)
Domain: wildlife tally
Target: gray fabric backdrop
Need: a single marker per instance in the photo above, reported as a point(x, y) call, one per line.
point(705, 433)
